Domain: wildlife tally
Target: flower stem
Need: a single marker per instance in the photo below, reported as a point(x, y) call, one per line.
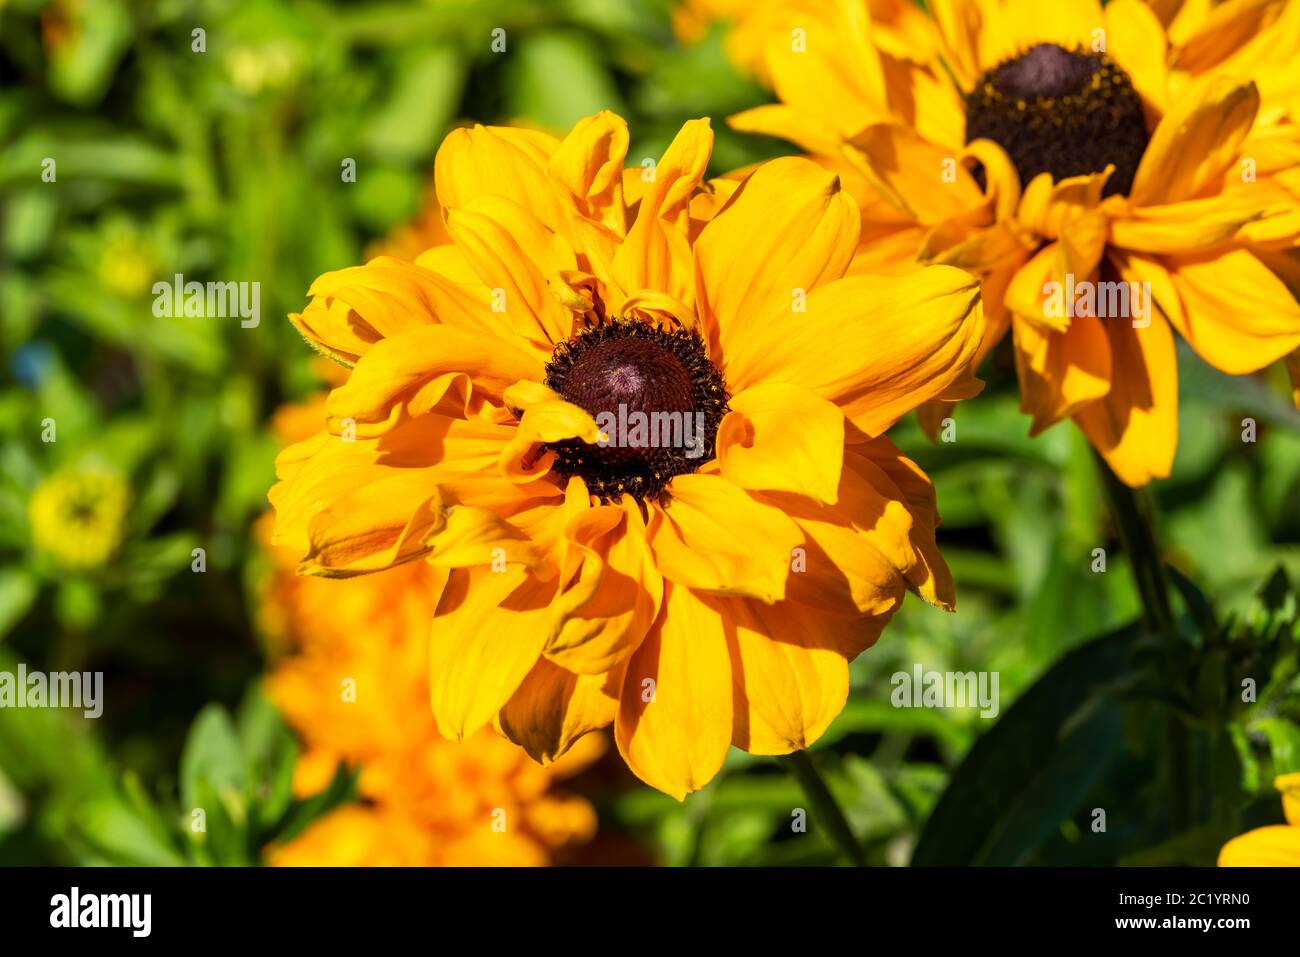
point(1132, 513)
point(825, 807)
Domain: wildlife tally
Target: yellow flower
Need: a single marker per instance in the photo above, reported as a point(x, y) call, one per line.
point(356, 689)
point(703, 588)
point(1066, 148)
point(900, 26)
point(1274, 846)
point(78, 516)
point(128, 263)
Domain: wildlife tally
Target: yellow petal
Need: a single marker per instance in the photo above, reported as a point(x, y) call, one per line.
point(552, 708)
point(899, 480)
point(1069, 24)
point(656, 253)
point(780, 437)
point(789, 229)
point(352, 309)
point(915, 169)
point(823, 63)
point(408, 376)
point(1060, 372)
point(599, 619)
point(1187, 227)
point(714, 536)
point(1136, 40)
point(1054, 209)
point(1031, 295)
point(589, 164)
point(1002, 180)
point(786, 689)
point(842, 566)
point(378, 525)
point(522, 396)
point(501, 162)
point(515, 255)
point(929, 577)
point(1135, 426)
point(960, 24)
point(479, 536)
point(487, 636)
point(876, 346)
point(1196, 141)
point(1237, 314)
point(1227, 33)
point(1274, 846)
point(555, 421)
point(675, 713)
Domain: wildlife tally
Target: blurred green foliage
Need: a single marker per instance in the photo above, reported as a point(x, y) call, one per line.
point(224, 163)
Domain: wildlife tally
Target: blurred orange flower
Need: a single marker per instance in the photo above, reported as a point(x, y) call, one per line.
point(356, 690)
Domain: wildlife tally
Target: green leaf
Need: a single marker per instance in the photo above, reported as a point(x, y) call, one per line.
point(119, 833)
point(18, 589)
point(1030, 772)
point(557, 78)
point(212, 757)
point(78, 604)
point(1283, 743)
point(421, 104)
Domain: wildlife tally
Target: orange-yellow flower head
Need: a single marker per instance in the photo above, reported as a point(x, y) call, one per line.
point(634, 422)
point(1113, 174)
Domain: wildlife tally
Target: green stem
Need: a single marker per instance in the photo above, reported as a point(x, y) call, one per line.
point(825, 808)
point(1133, 520)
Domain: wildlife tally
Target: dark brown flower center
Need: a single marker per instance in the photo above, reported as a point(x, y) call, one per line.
point(1062, 112)
point(656, 397)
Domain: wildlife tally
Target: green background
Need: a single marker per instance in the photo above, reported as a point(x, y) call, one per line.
point(225, 165)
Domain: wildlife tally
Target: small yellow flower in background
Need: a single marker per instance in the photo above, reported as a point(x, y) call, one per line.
point(698, 590)
point(1069, 150)
point(256, 67)
point(78, 517)
point(128, 262)
point(1275, 846)
point(356, 690)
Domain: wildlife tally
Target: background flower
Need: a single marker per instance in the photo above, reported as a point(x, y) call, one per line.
point(356, 689)
point(987, 148)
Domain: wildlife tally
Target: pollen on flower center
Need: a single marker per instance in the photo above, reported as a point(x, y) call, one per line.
point(656, 397)
point(1061, 112)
